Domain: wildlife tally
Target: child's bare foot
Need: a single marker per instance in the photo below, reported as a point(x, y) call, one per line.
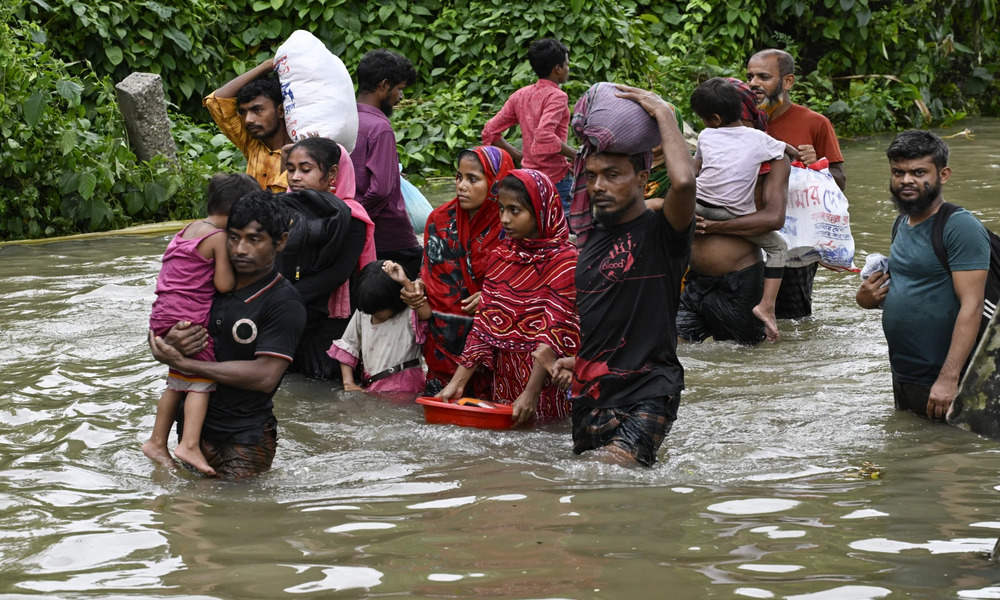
point(195, 458)
point(159, 454)
point(769, 321)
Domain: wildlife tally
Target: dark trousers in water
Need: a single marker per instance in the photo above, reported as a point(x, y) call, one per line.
point(910, 396)
point(311, 358)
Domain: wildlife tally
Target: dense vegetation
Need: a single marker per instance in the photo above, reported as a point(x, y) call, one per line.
point(869, 65)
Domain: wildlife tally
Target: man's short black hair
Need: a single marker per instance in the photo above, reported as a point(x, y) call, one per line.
point(265, 85)
point(224, 189)
point(381, 65)
point(717, 97)
point(545, 54)
point(260, 206)
point(786, 63)
point(374, 290)
point(917, 143)
point(323, 150)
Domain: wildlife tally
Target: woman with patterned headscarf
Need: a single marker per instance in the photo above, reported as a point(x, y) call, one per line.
point(458, 240)
point(527, 318)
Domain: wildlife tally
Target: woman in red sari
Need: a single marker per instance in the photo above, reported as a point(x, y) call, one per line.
point(527, 316)
point(458, 240)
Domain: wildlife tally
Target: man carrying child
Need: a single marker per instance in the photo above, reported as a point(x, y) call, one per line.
point(255, 328)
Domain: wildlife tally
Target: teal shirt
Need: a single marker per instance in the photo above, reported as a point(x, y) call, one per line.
point(921, 307)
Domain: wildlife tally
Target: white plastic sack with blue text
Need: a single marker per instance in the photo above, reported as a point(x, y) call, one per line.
point(817, 224)
point(317, 89)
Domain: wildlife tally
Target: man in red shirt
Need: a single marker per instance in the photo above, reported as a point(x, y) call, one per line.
point(542, 111)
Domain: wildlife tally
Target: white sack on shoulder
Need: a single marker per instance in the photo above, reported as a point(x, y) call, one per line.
point(317, 89)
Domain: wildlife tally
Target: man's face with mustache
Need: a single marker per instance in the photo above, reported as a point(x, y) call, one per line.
point(261, 117)
point(915, 184)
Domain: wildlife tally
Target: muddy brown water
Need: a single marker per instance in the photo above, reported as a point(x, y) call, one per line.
point(751, 498)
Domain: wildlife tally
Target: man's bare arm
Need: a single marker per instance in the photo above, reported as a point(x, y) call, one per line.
point(771, 215)
point(969, 287)
point(261, 374)
point(230, 89)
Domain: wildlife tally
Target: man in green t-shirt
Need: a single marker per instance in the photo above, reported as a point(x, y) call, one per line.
point(931, 316)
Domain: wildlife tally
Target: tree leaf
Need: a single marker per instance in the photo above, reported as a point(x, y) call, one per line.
point(114, 54)
point(70, 90)
point(88, 181)
point(34, 107)
point(183, 41)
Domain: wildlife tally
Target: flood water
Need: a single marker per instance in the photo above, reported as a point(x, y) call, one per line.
point(751, 499)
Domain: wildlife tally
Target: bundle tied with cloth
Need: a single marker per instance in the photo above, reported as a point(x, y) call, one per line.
point(603, 122)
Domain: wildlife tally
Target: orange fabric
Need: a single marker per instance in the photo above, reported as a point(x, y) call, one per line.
point(263, 164)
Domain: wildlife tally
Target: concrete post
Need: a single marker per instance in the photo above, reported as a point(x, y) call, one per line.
point(141, 100)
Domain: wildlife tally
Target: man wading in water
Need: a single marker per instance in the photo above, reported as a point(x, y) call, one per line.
point(627, 378)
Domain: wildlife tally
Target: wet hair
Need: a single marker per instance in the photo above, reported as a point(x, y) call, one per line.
point(265, 85)
point(515, 186)
point(546, 54)
point(324, 151)
point(786, 64)
point(381, 65)
point(917, 143)
point(260, 206)
point(374, 290)
point(717, 97)
point(224, 189)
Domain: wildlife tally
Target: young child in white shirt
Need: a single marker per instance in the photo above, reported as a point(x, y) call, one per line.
point(727, 163)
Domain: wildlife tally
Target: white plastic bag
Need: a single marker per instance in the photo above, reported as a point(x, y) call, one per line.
point(317, 89)
point(817, 224)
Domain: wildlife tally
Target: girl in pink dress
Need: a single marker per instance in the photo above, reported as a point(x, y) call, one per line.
point(195, 265)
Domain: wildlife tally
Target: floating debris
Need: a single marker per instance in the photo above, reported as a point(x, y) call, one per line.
point(868, 470)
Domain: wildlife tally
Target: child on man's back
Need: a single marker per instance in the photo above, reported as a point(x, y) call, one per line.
point(542, 111)
point(195, 265)
point(727, 163)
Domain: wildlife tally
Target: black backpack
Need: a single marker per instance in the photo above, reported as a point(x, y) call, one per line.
point(318, 223)
point(992, 296)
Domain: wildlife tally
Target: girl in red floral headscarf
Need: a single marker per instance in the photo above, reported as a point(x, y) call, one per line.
point(527, 315)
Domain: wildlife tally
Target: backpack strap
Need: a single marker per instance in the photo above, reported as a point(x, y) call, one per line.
point(895, 227)
point(937, 233)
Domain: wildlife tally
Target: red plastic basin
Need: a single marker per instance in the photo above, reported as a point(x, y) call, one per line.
point(448, 413)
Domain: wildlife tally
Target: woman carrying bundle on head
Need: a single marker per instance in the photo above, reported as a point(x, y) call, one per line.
point(527, 316)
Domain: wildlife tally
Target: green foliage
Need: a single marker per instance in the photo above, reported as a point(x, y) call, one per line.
point(870, 65)
point(66, 164)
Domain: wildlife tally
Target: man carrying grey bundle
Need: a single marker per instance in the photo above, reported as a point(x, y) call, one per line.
point(627, 379)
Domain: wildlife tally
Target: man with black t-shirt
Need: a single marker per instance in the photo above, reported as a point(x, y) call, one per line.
point(255, 328)
point(627, 379)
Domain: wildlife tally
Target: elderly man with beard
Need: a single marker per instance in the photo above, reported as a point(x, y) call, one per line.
point(771, 75)
point(250, 112)
point(931, 316)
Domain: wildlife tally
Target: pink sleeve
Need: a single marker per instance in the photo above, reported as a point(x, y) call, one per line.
point(419, 327)
point(504, 120)
point(339, 354)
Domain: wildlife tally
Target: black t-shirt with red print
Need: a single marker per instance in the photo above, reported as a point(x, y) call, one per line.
point(628, 281)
